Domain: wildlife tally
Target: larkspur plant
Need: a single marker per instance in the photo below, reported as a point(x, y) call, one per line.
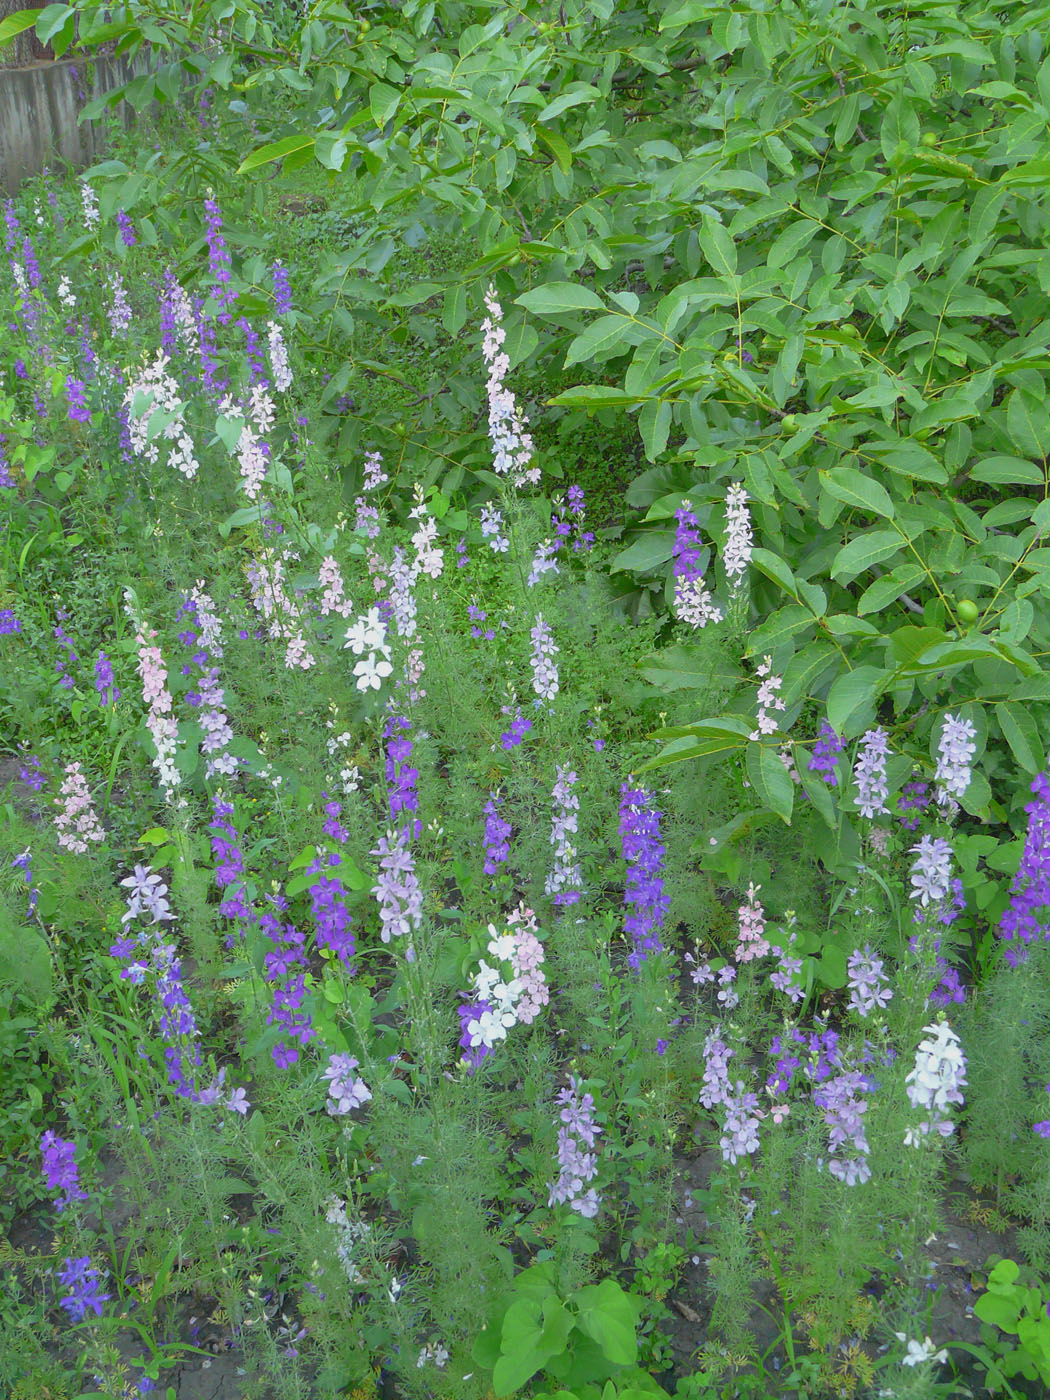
point(370, 942)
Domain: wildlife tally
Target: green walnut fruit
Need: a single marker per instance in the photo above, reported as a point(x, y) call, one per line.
point(514, 259)
point(929, 138)
point(544, 27)
point(363, 27)
point(789, 422)
point(399, 429)
point(849, 330)
point(967, 610)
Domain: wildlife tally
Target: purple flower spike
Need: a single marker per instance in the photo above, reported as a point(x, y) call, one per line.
point(825, 754)
point(1026, 919)
point(78, 409)
point(60, 1169)
point(127, 229)
point(644, 852)
point(83, 1282)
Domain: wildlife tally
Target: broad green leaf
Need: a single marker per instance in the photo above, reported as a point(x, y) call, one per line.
point(1029, 425)
point(909, 458)
point(687, 748)
point(610, 1316)
point(276, 150)
point(735, 730)
point(1007, 471)
point(770, 780)
point(816, 789)
point(793, 239)
point(682, 667)
point(1021, 732)
point(778, 628)
point(595, 396)
point(977, 796)
point(14, 25)
point(718, 248)
point(851, 700)
point(454, 314)
point(774, 568)
point(581, 93)
point(809, 670)
point(856, 489)
point(899, 124)
point(556, 144)
point(51, 20)
point(600, 339)
point(556, 298)
point(864, 552)
point(654, 424)
point(646, 553)
point(888, 589)
point(383, 102)
point(512, 1371)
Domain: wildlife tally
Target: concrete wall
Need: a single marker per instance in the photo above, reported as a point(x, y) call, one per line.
point(39, 107)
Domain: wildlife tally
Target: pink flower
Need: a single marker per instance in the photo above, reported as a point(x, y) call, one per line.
point(76, 821)
point(751, 921)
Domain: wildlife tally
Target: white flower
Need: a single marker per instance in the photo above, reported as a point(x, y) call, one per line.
point(486, 1029)
point(918, 1352)
point(739, 541)
point(501, 945)
point(368, 633)
point(372, 670)
point(485, 979)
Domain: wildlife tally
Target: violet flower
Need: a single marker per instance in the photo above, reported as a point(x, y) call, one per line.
point(78, 409)
point(60, 1169)
point(826, 750)
point(282, 290)
point(869, 774)
point(127, 229)
point(497, 836)
point(1026, 919)
point(565, 879)
point(576, 1166)
point(474, 1050)
point(108, 693)
point(643, 850)
point(693, 603)
point(219, 261)
point(346, 1090)
point(83, 1283)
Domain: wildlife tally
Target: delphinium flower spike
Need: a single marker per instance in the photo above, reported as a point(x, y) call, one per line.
point(577, 1167)
point(83, 1284)
point(869, 774)
point(76, 820)
point(643, 850)
point(1025, 920)
point(768, 700)
point(955, 750)
point(739, 541)
point(545, 679)
point(60, 1169)
point(565, 879)
point(693, 602)
point(511, 443)
point(824, 759)
point(935, 1082)
point(751, 924)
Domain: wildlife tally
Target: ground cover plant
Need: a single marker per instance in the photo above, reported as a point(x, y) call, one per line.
point(526, 832)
